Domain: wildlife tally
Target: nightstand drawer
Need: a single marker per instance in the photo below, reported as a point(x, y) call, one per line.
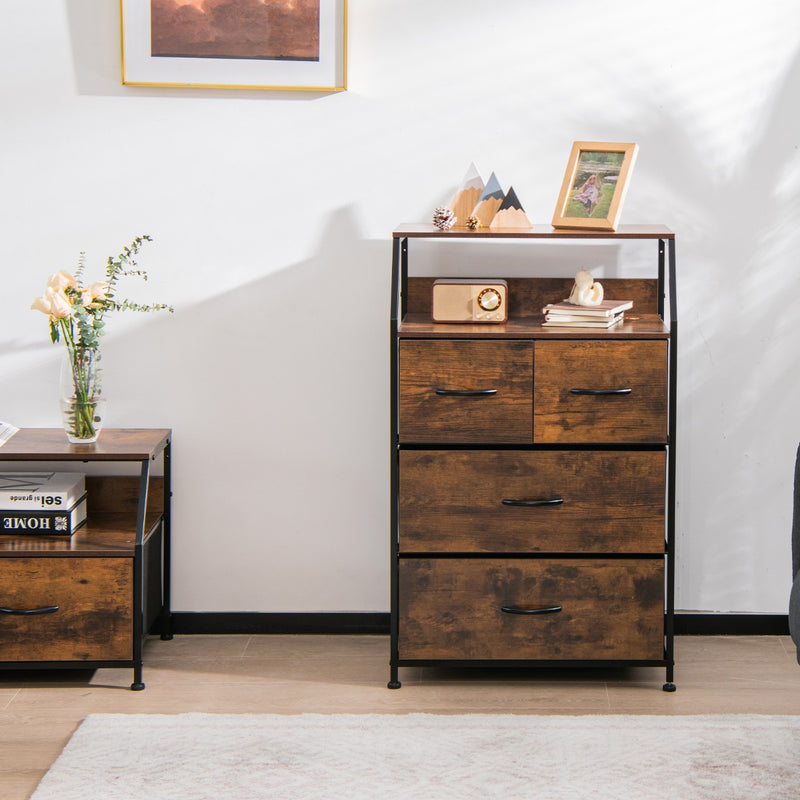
point(521, 609)
point(600, 392)
point(507, 501)
point(83, 609)
point(466, 391)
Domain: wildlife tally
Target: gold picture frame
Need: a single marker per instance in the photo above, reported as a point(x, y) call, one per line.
point(306, 52)
point(595, 184)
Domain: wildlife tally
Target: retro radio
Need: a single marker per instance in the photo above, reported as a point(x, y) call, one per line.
point(467, 300)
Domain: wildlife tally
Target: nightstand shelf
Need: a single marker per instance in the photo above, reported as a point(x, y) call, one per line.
point(88, 600)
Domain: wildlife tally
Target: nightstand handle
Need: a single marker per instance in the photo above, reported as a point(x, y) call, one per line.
point(29, 611)
point(530, 609)
point(600, 391)
point(465, 392)
point(530, 503)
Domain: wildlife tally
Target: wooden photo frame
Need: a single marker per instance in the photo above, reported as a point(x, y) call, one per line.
point(594, 185)
point(215, 44)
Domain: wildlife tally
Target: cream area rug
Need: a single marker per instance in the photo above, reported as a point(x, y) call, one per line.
point(381, 757)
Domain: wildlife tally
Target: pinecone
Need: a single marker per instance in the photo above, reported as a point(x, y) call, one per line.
point(473, 223)
point(443, 218)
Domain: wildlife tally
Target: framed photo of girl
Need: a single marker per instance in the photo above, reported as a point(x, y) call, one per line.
point(594, 185)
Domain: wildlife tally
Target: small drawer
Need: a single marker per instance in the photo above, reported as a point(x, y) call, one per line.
point(467, 391)
point(600, 392)
point(84, 609)
point(531, 609)
point(507, 501)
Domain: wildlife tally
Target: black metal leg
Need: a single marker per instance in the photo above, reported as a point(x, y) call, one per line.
point(138, 683)
point(165, 625)
point(394, 683)
point(669, 686)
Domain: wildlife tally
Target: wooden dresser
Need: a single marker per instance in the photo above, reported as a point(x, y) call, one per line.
point(533, 471)
point(88, 600)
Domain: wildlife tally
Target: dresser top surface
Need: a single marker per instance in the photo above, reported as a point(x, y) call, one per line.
point(635, 231)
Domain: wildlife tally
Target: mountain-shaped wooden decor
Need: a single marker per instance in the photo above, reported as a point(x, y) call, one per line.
point(511, 214)
point(489, 202)
point(467, 196)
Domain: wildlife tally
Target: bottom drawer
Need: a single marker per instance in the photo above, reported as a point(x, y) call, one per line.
point(93, 598)
point(485, 609)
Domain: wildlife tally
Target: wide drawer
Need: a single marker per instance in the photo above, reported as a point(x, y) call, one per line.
point(84, 609)
point(506, 501)
point(480, 609)
point(466, 391)
point(600, 392)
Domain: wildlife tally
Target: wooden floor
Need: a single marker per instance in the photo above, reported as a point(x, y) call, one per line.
point(347, 674)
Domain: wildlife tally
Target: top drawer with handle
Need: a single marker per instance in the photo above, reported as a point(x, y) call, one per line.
point(600, 392)
point(470, 391)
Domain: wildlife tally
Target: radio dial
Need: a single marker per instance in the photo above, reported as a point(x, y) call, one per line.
point(489, 299)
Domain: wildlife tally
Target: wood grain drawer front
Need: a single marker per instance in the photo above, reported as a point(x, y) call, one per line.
point(507, 501)
point(466, 391)
point(84, 605)
point(452, 608)
point(600, 392)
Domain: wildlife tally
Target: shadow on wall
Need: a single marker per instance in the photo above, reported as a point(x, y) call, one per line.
point(285, 351)
point(278, 396)
point(736, 387)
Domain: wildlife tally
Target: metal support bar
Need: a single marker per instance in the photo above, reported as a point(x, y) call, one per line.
point(399, 254)
point(672, 422)
point(404, 277)
point(166, 549)
point(138, 576)
point(661, 282)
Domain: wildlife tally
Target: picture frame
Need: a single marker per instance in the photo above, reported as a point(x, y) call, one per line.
point(306, 52)
point(595, 184)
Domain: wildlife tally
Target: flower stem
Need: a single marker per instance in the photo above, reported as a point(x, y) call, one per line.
point(83, 402)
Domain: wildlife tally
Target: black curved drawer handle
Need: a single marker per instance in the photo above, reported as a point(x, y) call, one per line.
point(465, 392)
point(530, 503)
point(530, 610)
point(600, 391)
point(29, 611)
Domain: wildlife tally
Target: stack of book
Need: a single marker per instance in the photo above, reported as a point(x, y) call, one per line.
point(603, 315)
point(42, 503)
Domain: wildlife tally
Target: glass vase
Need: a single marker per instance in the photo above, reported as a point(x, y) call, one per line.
point(81, 395)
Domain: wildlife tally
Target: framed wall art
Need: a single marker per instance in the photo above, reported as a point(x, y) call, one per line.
point(594, 185)
point(298, 45)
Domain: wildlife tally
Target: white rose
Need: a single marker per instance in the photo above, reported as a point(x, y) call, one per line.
point(61, 280)
point(97, 291)
point(54, 303)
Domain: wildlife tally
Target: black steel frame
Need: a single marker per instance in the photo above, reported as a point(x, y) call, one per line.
point(399, 300)
point(153, 544)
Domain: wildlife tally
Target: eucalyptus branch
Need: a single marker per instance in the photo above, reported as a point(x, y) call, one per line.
point(81, 267)
point(124, 264)
point(127, 305)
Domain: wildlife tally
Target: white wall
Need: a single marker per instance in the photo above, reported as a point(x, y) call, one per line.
point(272, 216)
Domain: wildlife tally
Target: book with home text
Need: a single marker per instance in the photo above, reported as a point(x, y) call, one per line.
point(44, 523)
